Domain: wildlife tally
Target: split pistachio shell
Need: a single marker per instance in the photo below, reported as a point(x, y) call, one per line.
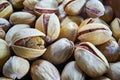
point(114, 71)
point(16, 67)
point(6, 9)
point(17, 4)
point(50, 25)
point(73, 7)
point(92, 20)
point(72, 72)
point(26, 52)
point(69, 31)
point(109, 50)
point(115, 27)
point(4, 24)
point(44, 70)
point(13, 30)
point(95, 8)
point(59, 51)
point(95, 33)
point(41, 7)
point(90, 60)
point(4, 52)
point(22, 18)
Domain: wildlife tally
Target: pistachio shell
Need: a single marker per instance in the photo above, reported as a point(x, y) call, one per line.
point(115, 27)
point(73, 7)
point(50, 25)
point(24, 51)
point(59, 51)
point(4, 52)
point(90, 60)
point(7, 11)
point(101, 78)
point(95, 33)
point(44, 70)
point(26, 18)
point(28, 53)
point(114, 71)
point(72, 72)
point(16, 67)
point(28, 32)
point(13, 30)
point(3, 78)
point(4, 24)
point(69, 31)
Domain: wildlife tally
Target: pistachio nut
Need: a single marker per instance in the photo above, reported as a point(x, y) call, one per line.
point(94, 8)
point(4, 52)
point(72, 72)
point(49, 24)
point(26, 18)
point(44, 70)
point(30, 44)
point(114, 71)
point(5, 9)
point(109, 50)
point(90, 60)
point(13, 69)
point(115, 27)
point(95, 33)
point(13, 30)
point(41, 7)
point(61, 53)
point(4, 24)
point(69, 31)
point(73, 7)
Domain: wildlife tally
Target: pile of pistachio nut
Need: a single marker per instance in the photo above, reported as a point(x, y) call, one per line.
point(59, 40)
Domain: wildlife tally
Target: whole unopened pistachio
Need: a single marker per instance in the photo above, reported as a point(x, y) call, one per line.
point(95, 33)
point(108, 14)
point(50, 25)
point(94, 8)
point(101, 78)
point(17, 4)
point(115, 27)
point(22, 18)
point(69, 31)
point(41, 7)
point(90, 60)
point(44, 70)
point(73, 7)
point(16, 67)
point(59, 51)
point(109, 50)
point(4, 24)
point(114, 71)
point(4, 52)
point(72, 72)
point(5, 9)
